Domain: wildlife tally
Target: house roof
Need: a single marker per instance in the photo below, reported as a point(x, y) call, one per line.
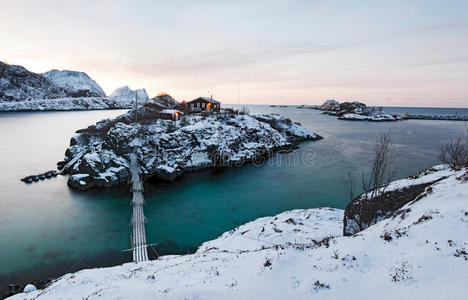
point(171, 111)
point(206, 99)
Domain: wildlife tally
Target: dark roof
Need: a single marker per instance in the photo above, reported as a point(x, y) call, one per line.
point(206, 99)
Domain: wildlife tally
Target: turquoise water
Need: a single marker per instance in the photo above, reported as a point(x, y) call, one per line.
point(48, 230)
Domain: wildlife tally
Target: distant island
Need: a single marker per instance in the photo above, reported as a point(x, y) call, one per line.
point(357, 111)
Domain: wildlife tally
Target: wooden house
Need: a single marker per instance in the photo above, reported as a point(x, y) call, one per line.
point(203, 104)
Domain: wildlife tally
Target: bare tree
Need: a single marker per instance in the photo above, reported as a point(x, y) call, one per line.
point(381, 173)
point(348, 183)
point(377, 180)
point(455, 153)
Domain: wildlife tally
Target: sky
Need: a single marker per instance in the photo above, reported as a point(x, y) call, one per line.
point(386, 53)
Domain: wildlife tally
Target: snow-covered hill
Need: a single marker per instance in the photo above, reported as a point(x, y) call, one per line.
point(74, 81)
point(420, 252)
point(125, 93)
point(19, 84)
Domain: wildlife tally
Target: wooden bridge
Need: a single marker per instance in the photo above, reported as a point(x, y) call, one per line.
point(139, 246)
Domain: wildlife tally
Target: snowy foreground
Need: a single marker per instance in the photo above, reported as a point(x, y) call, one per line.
point(420, 252)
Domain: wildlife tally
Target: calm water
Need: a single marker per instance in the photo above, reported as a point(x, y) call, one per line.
point(46, 229)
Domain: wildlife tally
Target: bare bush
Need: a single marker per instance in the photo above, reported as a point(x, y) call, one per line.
point(455, 153)
point(348, 183)
point(244, 110)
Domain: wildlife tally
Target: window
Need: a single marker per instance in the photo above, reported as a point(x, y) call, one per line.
point(203, 105)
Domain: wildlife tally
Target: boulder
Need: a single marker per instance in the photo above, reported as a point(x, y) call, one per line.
point(29, 288)
point(80, 181)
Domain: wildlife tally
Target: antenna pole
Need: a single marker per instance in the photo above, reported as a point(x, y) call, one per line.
point(238, 97)
point(136, 106)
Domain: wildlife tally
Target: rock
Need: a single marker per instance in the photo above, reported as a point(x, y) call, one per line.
point(354, 108)
point(330, 105)
point(80, 181)
point(166, 173)
point(29, 288)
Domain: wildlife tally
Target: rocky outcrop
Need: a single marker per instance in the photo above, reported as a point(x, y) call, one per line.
point(354, 108)
point(166, 149)
point(165, 100)
point(363, 212)
point(356, 111)
point(330, 105)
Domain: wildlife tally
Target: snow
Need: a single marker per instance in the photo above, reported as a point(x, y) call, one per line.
point(379, 117)
point(171, 111)
point(166, 168)
point(301, 254)
point(29, 288)
point(67, 104)
point(74, 81)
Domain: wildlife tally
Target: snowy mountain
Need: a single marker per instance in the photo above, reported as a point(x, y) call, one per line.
point(125, 93)
point(78, 82)
point(19, 84)
point(419, 252)
point(22, 90)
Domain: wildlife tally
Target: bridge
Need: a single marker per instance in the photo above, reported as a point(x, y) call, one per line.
point(139, 246)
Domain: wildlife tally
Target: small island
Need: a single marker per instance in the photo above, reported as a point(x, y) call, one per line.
point(170, 140)
point(357, 111)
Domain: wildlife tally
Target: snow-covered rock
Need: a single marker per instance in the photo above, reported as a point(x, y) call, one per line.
point(167, 149)
point(363, 212)
point(165, 100)
point(29, 288)
point(419, 253)
point(78, 82)
point(380, 117)
point(330, 105)
point(125, 93)
point(356, 111)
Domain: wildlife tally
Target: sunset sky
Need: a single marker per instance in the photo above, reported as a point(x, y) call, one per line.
point(390, 53)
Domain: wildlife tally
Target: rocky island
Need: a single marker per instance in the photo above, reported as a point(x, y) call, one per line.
point(356, 111)
point(98, 156)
